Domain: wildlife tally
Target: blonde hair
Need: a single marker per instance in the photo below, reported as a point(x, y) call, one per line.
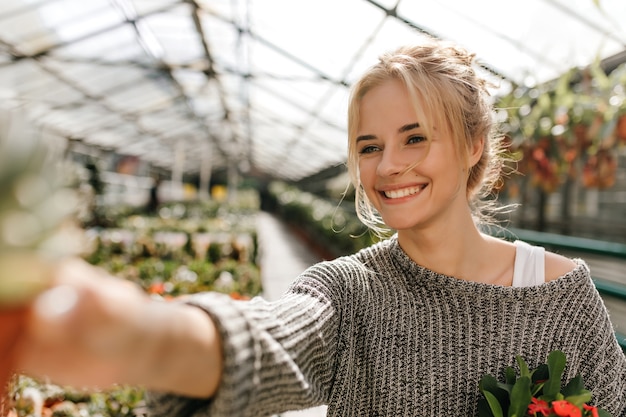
point(447, 94)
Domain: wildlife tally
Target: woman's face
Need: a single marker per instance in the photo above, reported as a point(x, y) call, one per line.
point(389, 141)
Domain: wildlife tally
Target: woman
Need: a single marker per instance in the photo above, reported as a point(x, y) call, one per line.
point(405, 327)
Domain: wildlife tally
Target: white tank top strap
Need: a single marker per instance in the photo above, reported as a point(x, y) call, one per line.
point(529, 268)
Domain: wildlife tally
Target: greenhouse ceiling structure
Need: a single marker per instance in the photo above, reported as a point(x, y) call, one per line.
point(260, 85)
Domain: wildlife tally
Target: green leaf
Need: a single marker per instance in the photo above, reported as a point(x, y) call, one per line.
point(541, 373)
point(603, 413)
point(539, 376)
point(483, 408)
point(556, 365)
point(574, 386)
point(509, 375)
point(506, 387)
point(494, 405)
point(520, 397)
point(493, 392)
point(579, 399)
point(488, 383)
point(523, 366)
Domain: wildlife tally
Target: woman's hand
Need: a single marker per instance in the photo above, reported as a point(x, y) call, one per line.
point(82, 331)
point(93, 330)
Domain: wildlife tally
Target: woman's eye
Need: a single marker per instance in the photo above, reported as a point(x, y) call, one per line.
point(368, 149)
point(416, 139)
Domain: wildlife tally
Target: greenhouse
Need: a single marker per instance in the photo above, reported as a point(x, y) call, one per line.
point(199, 147)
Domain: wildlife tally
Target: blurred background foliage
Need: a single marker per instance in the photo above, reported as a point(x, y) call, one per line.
point(565, 133)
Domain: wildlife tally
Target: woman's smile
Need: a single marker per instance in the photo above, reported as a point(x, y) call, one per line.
point(401, 193)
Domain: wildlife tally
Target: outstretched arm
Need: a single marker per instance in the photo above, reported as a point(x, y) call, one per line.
point(93, 330)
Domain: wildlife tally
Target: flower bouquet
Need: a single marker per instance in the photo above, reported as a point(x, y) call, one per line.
point(536, 392)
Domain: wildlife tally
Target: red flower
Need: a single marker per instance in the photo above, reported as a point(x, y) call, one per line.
point(538, 406)
point(238, 296)
point(594, 410)
point(564, 408)
point(156, 288)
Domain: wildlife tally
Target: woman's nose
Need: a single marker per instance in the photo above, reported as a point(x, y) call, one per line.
point(391, 163)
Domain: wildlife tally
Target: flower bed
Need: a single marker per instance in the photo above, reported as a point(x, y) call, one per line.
point(181, 253)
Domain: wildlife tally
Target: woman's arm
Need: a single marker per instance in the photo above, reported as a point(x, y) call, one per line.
point(93, 330)
point(205, 351)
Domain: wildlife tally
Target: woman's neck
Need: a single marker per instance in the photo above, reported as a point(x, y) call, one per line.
point(454, 248)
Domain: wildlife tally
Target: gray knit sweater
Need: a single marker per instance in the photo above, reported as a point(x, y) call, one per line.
point(374, 334)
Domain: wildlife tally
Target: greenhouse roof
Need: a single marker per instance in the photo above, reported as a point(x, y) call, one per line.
point(260, 84)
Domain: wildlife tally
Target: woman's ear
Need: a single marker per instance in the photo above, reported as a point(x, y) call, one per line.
point(476, 151)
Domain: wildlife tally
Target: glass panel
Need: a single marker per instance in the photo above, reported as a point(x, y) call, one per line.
point(323, 33)
point(134, 74)
point(118, 44)
point(148, 6)
point(176, 36)
point(140, 97)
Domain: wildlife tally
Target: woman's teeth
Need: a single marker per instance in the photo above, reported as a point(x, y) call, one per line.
point(402, 192)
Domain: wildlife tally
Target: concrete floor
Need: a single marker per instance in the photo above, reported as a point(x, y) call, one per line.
point(282, 258)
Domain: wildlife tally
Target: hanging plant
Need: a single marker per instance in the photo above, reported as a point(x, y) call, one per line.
point(600, 170)
point(579, 117)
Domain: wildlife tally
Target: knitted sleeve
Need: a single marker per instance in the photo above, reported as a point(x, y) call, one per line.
point(278, 356)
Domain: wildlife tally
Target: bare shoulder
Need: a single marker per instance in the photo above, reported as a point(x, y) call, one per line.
point(557, 265)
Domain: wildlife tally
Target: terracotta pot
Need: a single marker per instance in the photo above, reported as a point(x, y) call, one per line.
point(11, 325)
point(21, 279)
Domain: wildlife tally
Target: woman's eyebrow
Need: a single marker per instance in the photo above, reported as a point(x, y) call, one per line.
point(403, 129)
point(408, 127)
point(365, 137)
